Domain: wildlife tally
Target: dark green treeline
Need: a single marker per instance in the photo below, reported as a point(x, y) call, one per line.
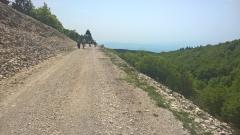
point(209, 75)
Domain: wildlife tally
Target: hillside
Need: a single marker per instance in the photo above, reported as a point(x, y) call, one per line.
point(208, 75)
point(25, 42)
point(216, 73)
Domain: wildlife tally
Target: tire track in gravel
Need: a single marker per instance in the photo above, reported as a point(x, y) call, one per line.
point(79, 94)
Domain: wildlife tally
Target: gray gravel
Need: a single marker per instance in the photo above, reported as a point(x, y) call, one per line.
point(79, 93)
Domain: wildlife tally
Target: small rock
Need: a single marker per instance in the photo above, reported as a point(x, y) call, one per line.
point(169, 91)
point(224, 125)
point(207, 121)
point(212, 127)
point(23, 69)
point(197, 120)
point(202, 114)
point(172, 98)
point(222, 133)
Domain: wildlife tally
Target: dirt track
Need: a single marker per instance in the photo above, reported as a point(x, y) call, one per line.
point(79, 93)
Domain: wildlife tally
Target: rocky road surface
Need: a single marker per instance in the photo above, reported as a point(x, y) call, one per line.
point(79, 92)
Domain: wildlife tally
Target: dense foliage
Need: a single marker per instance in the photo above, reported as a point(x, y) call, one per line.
point(24, 6)
point(5, 1)
point(44, 15)
point(209, 75)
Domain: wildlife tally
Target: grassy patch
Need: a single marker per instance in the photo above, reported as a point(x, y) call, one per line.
point(184, 117)
point(133, 79)
point(113, 58)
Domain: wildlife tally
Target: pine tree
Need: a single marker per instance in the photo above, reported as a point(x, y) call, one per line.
point(88, 36)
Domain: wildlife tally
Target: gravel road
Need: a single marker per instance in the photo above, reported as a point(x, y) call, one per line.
point(79, 92)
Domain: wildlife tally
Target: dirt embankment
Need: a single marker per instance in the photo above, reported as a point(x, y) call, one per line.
point(25, 42)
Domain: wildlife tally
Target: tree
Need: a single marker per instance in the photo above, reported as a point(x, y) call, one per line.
point(185, 86)
point(88, 33)
point(55, 23)
point(24, 6)
point(231, 108)
point(72, 34)
point(88, 36)
point(42, 14)
point(5, 1)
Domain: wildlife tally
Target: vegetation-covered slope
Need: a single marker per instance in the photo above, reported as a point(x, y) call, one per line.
point(209, 75)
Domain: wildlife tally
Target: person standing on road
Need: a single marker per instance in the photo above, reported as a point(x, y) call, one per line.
point(95, 43)
point(83, 42)
point(89, 42)
point(78, 44)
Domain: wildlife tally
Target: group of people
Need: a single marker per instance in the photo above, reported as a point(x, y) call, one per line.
point(84, 42)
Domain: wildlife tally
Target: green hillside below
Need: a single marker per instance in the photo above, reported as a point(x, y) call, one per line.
point(208, 75)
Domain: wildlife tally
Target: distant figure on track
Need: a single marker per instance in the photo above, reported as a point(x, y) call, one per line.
point(95, 44)
point(89, 42)
point(78, 44)
point(83, 43)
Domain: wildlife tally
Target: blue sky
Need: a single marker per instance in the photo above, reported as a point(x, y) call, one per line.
point(155, 23)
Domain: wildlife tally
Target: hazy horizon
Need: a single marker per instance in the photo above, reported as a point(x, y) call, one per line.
point(146, 47)
point(152, 47)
